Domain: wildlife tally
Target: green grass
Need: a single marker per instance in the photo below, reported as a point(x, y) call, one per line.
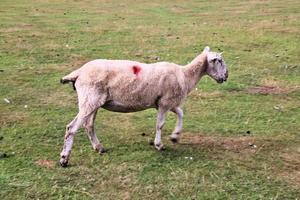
point(40, 41)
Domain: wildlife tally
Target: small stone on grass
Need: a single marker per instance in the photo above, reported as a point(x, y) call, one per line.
point(6, 100)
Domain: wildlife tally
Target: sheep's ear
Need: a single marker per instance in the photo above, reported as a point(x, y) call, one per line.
point(221, 53)
point(206, 49)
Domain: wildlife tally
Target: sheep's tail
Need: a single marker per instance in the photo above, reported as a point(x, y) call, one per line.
point(72, 77)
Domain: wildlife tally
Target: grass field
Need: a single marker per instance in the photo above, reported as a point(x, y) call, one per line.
point(241, 139)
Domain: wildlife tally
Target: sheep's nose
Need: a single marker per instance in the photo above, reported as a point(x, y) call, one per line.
point(220, 80)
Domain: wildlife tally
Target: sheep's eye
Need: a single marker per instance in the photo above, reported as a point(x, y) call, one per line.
point(214, 60)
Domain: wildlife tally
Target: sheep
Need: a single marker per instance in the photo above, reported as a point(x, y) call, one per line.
point(130, 86)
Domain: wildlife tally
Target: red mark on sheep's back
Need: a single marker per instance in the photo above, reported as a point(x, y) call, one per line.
point(136, 70)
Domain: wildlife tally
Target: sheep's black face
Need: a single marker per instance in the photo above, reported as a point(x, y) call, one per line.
point(216, 67)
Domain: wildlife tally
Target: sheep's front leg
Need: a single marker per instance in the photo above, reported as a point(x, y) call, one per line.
point(159, 125)
point(90, 130)
point(178, 128)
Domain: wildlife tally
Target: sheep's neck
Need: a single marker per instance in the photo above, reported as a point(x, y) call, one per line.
point(194, 71)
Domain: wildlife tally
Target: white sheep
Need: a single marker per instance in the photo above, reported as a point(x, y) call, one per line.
point(130, 86)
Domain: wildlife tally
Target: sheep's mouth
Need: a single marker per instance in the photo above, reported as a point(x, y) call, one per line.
point(220, 81)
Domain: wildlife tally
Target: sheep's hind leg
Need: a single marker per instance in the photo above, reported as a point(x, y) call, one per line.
point(88, 104)
point(90, 130)
point(71, 130)
point(178, 128)
point(159, 125)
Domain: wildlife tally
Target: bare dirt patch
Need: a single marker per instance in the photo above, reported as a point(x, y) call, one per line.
point(76, 61)
point(45, 163)
point(271, 90)
point(210, 94)
point(291, 168)
point(246, 144)
point(17, 27)
point(272, 25)
point(59, 98)
point(243, 147)
point(200, 94)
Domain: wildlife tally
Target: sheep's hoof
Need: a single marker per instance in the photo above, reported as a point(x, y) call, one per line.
point(174, 140)
point(102, 151)
point(63, 162)
point(160, 147)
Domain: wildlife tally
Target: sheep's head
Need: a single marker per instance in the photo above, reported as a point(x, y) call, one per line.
point(216, 67)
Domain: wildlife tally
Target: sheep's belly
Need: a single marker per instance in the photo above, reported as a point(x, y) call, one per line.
point(119, 107)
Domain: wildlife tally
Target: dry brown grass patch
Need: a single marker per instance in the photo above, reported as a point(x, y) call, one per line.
point(17, 27)
point(45, 163)
point(196, 94)
point(8, 117)
point(77, 61)
point(271, 90)
point(272, 82)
